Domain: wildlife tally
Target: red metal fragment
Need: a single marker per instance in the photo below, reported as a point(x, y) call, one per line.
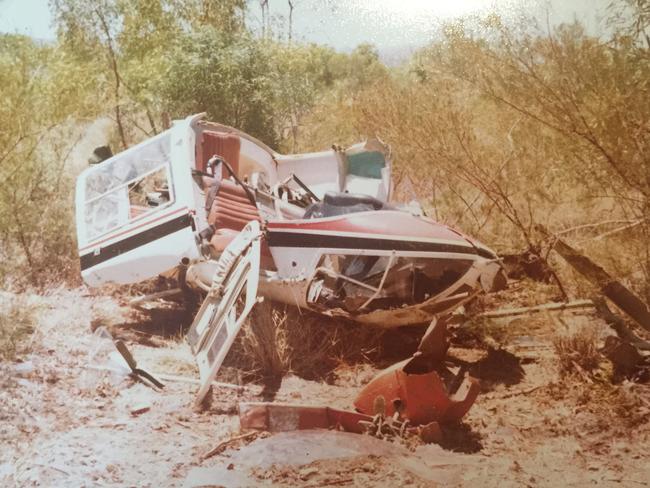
point(434, 342)
point(279, 417)
point(420, 398)
point(430, 433)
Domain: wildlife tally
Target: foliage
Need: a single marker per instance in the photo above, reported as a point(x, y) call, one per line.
point(584, 90)
point(495, 129)
point(133, 39)
point(577, 352)
point(263, 87)
point(16, 325)
point(278, 341)
point(229, 78)
point(520, 126)
point(42, 89)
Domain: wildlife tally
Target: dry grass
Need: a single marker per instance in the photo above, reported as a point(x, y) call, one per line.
point(263, 342)
point(280, 340)
point(174, 360)
point(606, 406)
point(16, 326)
point(577, 352)
point(630, 404)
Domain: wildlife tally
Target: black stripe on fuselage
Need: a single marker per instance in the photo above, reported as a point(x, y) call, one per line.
point(300, 240)
point(125, 245)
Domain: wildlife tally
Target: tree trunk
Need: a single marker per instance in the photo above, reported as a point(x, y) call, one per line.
point(624, 299)
point(290, 18)
point(116, 74)
point(618, 324)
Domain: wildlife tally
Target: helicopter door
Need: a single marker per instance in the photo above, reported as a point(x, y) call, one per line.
point(230, 299)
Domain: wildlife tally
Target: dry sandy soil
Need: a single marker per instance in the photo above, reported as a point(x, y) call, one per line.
point(64, 424)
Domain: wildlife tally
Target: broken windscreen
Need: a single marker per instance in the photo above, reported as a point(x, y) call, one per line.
point(128, 186)
point(364, 282)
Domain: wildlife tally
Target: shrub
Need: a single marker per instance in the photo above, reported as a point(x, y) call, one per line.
point(16, 325)
point(278, 340)
point(577, 352)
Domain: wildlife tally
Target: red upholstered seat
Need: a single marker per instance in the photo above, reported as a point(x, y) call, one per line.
point(231, 208)
point(222, 144)
point(230, 212)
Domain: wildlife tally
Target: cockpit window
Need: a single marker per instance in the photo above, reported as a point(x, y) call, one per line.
point(367, 164)
point(130, 185)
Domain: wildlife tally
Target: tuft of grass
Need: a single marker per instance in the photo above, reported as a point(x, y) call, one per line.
point(577, 352)
point(629, 405)
point(280, 340)
point(611, 406)
point(16, 326)
point(264, 343)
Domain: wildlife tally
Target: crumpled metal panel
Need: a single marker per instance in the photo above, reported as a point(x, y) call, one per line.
point(420, 398)
point(281, 417)
point(278, 417)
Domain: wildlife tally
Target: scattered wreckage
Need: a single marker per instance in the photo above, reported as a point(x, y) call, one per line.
point(230, 219)
point(411, 397)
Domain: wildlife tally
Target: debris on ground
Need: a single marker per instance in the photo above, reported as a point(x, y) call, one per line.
point(287, 458)
point(629, 362)
point(140, 408)
point(544, 427)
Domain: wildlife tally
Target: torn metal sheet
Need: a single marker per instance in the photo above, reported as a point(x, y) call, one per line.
point(416, 389)
point(279, 417)
point(434, 342)
point(282, 417)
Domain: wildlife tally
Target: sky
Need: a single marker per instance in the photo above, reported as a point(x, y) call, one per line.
point(394, 26)
point(31, 17)
point(386, 23)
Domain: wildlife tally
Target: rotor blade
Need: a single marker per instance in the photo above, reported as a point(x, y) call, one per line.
point(126, 354)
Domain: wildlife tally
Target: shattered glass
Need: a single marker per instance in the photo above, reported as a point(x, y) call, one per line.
point(116, 190)
point(128, 166)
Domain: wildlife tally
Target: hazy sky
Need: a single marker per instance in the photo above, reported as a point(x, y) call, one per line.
point(392, 25)
point(389, 23)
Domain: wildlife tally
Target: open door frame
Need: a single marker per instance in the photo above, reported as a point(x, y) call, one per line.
point(231, 297)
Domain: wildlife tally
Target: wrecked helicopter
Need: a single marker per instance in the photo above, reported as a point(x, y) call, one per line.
point(231, 219)
point(330, 240)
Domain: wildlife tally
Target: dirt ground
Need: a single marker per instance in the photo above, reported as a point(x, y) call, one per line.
point(67, 421)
